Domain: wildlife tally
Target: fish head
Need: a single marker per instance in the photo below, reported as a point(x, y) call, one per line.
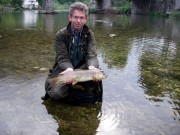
point(100, 76)
point(104, 76)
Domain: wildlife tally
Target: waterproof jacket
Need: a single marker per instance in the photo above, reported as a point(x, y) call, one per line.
point(63, 43)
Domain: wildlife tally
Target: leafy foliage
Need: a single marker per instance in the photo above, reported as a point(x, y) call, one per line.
point(124, 5)
point(5, 2)
point(66, 1)
point(41, 2)
point(17, 4)
point(175, 14)
point(64, 4)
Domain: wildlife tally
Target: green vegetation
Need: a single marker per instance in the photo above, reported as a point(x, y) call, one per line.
point(92, 10)
point(123, 6)
point(41, 2)
point(160, 75)
point(6, 9)
point(16, 5)
point(175, 14)
point(157, 14)
point(64, 4)
point(5, 2)
point(58, 6)
point(10, 5)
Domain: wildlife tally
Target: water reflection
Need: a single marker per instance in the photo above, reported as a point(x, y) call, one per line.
point(113, 49)
point(48, 23)
point(160, 71)
point(110, 117)
point(30, 18)
point(21, 111)
point(159, 62)
point(76, 120)
point(101, 21)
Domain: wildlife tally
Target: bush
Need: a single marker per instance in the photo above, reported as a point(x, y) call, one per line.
point(123, 6)
point(175, 14)
point(18, 8)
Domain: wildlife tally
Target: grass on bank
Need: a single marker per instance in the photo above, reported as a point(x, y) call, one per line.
point(175, 14)
point(158, 14)
point(59, 6)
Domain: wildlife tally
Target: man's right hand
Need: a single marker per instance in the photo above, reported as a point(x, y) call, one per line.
point(67, 70)
point(68, 81)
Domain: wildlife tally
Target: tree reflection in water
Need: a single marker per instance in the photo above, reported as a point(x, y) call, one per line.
point(73, 119)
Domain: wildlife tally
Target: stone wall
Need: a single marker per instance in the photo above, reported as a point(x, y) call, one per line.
point(140, 6)
point(160, 6)
point(103, 4)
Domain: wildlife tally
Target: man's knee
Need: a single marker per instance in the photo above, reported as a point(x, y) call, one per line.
point(61, 92)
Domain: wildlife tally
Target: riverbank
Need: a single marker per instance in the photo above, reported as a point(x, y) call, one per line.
point(7, 9)
point(175, 14)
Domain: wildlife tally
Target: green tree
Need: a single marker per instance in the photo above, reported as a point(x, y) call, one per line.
point(41, 2)
point(17, 3)
point(66, 1)
point(124, 6)
point(5, 2)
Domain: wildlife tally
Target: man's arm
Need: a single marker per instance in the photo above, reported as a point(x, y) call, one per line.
point(62, 55)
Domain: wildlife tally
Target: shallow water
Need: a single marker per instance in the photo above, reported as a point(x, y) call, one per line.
point(141, 94)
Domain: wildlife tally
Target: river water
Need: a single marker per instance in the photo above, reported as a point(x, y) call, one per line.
point(140, 55)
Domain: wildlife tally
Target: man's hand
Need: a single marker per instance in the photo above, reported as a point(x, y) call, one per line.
point(93, 68)
point(68, 81)
point(96, 69)
point(65, 71)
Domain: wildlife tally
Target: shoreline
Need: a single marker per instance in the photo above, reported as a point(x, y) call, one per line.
point(10, 9)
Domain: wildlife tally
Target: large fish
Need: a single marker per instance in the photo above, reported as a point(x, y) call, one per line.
point(77, 76)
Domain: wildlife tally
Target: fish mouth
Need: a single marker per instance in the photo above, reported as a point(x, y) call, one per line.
point(105, 76)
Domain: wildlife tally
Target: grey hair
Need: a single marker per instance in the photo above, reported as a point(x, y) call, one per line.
point(78, 6)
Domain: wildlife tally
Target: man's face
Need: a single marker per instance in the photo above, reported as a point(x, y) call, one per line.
point(78, 19)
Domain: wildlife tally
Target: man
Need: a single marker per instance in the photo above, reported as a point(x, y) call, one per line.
point(75, 49)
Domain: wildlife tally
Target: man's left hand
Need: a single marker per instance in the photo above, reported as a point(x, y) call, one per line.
point(96, 69)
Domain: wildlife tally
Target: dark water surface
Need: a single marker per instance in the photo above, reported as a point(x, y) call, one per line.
point(141, 94)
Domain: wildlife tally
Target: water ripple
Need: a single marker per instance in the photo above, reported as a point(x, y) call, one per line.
point(21, 110)
point(110, 117)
